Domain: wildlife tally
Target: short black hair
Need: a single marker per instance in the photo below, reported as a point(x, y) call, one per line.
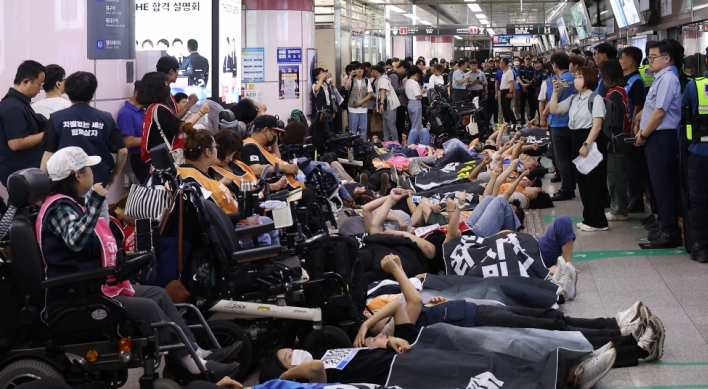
point(180, 96)
point(561, 59)
point(576, 51)
point(405, 65)
point(176, 40)
point(153, 89)
point(505, 60)
point(164, 41)
point(408, 59)
point(607, 49)
point(54, 74)
point(461, 63)
point(29, 69)
point(271, 368)
point(229, 142)
point(167, 63)
point(542, 201)
point(136, 85)
point(389, 62)
point(413, 71)
point(418, 62)
point(192, 44)
point(635, 53)
point(81, 86)
point(247, 110)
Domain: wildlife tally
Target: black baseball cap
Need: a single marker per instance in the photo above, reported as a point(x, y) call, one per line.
point(167, 63)
point(269, 121)
point(379, 69)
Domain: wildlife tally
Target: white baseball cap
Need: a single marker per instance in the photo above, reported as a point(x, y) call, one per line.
point(67, 161)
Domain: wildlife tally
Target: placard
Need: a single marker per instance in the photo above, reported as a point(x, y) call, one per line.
point(111, 29)
point(666, 8)
point(289, 82)
point(161, 26)
point(252, 94)
point(289, 55)
point(230, 49)
point(253, 64)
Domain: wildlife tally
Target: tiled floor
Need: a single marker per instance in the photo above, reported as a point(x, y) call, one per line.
point(673, 286)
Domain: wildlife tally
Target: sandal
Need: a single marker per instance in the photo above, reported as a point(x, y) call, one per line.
point(349, 202)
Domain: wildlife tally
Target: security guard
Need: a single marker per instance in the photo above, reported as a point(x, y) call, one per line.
point(539, 76)
point(525, 79)
point(695, 106)
point(490, 72)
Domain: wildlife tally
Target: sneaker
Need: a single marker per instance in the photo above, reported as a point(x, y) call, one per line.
point(394, 174)
point(560, 270)
point(588, 228)
point(593, 369)
point(414, 168)
point(364, 180)
point(572, 281)
point(612, 217)
point(653, 226)
point(222, 369)
point(629, 315)
point(599, 351)
point(652, 340)
point(634, 327)
point(384, 184)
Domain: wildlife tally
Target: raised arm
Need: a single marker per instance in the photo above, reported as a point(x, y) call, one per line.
point(504, 175)
point(414, 303)
point(512, 187)
point(453, 211)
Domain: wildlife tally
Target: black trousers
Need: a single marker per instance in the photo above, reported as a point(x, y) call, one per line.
point(626, 347)
point(698, 201)
point(661, 151)
point(140, 168)
point(492, 107)
point(509, 116)
point(562, 138)
point(476, 93)
point(592, 186)
point(637, 176)
point(458, 94)
point(533, 102)
point(401, 120)
point(524, 97)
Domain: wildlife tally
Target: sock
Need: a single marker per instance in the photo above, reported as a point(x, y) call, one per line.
point(642, 353)
point(189, 364)
point(202, 353)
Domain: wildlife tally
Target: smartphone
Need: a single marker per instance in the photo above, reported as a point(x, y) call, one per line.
point(416, 199)
point(143, 235)
point(563, 83)
point(630, 140)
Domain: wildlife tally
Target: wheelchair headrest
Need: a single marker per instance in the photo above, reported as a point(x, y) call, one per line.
point(227, 115)
point(161, 158)
point(27, 186)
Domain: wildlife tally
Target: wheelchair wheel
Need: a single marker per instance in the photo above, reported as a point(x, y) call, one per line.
point(226, 333)
point(26, 370)
point(330, 337)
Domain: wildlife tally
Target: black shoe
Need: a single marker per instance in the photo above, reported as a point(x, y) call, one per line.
point(666, 241)
point(653, 226)
point(636, 208)
point(226, 354)
point(561, 196)
point(648, 220)
point(221, 370)
point(654, 235)
point(556, 178)
point(699, 253)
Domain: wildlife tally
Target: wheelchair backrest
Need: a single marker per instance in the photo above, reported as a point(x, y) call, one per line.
point(161, 158)
point(27, 187)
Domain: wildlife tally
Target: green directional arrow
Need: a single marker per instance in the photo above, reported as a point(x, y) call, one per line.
point(548, 219)
point(636, 227)
point(580, 256)
point(643, 240)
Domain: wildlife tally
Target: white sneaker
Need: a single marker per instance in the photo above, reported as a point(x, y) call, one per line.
point(635, 327)
point(587, 228)
point(653, 339)
point(599, 351)
point(612, 217)
point(629, 315)
point(413, 168)
point(572, 281)
point(593, 369)
point(560, 270)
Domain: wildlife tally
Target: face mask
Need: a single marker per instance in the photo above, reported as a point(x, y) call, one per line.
point(517, 63)
point(300, 357)
point(578, 84)
point(272, 141)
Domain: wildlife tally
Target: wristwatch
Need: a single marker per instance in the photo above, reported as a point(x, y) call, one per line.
point(644, 138)
point(585, 144)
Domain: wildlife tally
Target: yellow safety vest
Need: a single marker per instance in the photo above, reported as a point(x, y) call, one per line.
point(697, 125)
point(647, 75)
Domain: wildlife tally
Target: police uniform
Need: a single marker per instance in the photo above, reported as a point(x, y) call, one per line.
point(539, 76)
point(490, 103)
point(526, 73)
point(695, 105)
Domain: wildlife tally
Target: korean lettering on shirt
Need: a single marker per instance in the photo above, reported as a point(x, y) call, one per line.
point(81, 128)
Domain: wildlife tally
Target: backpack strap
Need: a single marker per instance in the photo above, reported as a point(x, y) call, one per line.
point(591, 101)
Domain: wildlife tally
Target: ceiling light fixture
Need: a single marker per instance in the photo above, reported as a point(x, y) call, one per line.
point(394, 9)
point(426, 22)
point(603, 12)
point(480, 16)
point(469, 1)
point(457, 37)
point(376, 1)
point(474, 7)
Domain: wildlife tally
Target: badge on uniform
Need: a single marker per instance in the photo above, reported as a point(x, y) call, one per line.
point(254, 158)
point(705, 90)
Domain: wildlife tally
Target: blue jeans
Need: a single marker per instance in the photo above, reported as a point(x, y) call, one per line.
point(311, 166)
point(421, 136)
point(270, 239)
point(358, 120)
point(415, 114)
point(455, 143)
point(492, 215)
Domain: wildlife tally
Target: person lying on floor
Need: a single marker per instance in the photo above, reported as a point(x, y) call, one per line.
point(200, 153)
point(635, 332)
point(73, 238)
point(374, 363)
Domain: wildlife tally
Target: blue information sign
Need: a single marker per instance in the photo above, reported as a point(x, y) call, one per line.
point(289, 55)
point(110, 27)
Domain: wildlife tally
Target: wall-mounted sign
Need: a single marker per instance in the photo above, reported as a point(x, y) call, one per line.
point(253, 63)
point(530, 29)
point(289, 82)
point(289, 55)
point(252, 94)
point(445, 30)
point(111, 30)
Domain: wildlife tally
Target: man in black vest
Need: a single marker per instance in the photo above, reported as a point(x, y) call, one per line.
point(86, 127)
point(490, 72)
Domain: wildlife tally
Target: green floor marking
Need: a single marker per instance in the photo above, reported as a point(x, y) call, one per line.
point(548, 219)
point(546, 164)
point(643, 240)
point(580, 256)
point(675, 363)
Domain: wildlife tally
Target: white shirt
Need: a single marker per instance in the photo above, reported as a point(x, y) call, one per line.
point(355, 85)
point(580, 117)
point(413, 90)
point(46, 107)
point(543, 92)
point(507, 81)
point(435, 80)
point(372, 102)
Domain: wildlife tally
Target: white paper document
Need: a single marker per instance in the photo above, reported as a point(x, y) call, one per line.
point(586, 164)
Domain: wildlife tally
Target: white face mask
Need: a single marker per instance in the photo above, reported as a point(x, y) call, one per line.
point(300, 357)
point(517, 63)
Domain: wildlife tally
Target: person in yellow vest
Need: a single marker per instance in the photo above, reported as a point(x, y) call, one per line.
point(200, 152)
point(261, 149)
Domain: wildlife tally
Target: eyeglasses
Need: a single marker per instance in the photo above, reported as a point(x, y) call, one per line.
point(651, 58)
point(216, 146)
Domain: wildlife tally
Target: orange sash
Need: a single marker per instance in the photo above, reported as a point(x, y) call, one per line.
point(219, 192)
point(272, 159)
